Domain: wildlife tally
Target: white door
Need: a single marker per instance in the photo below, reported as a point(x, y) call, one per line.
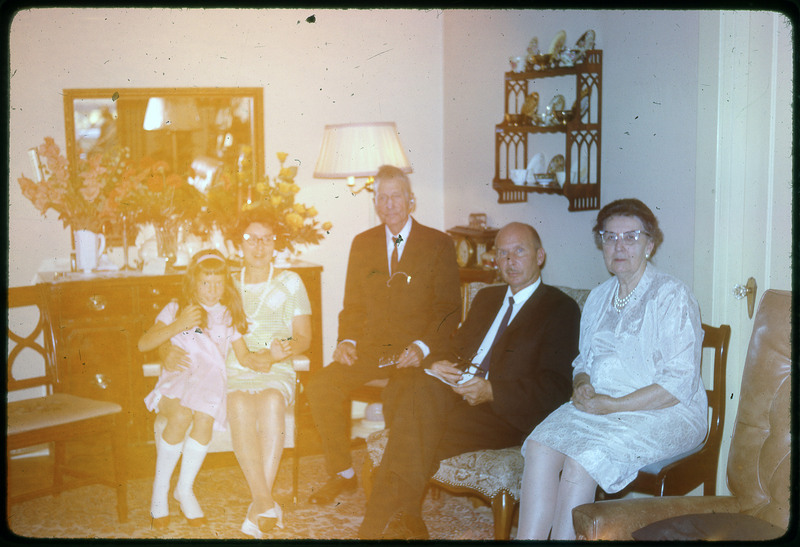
point(743, 224)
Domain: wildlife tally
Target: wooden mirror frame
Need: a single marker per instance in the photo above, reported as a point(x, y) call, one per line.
point(239, 146)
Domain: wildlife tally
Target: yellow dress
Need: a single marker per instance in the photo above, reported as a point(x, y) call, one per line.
point(270, 307)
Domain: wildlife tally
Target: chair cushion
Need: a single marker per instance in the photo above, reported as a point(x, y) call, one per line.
point(709, 526)
point(655, 468)
point(54, 410)
point(486, 471)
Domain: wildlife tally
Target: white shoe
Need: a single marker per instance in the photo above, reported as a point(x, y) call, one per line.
point(271, 518)
point(249, 528)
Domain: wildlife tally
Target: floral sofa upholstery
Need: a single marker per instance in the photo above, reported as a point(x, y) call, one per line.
point(494, 475)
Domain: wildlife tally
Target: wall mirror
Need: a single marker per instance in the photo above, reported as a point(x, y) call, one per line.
point(200, 132)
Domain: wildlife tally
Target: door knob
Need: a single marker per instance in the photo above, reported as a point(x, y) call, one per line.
point(748, 290)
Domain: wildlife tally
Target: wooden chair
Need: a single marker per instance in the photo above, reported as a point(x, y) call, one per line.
point(54, 417)
point(682, 474)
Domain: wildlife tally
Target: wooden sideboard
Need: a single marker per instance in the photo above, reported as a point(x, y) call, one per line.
point(95, 324)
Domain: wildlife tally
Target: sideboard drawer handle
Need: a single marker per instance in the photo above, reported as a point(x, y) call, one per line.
point(155, 292)
point(97, 302)
point(101, 381)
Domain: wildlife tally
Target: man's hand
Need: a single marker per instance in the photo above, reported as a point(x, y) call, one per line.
point(447, 370)
point(475, 391)
point(345, 353)
point(173, 358)
point(410, 357)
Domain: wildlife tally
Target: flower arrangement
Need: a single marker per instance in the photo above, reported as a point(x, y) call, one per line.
point(109, 186)
point(296, 222)
point(83, 203)
point(152, 194)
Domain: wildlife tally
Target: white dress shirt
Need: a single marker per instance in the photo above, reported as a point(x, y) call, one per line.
point(519, 300)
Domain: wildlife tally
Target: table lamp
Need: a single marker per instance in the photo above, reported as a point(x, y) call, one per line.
point(357, 150)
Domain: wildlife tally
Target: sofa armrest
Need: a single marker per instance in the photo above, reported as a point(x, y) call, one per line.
point(619, 519)
point(301, 363)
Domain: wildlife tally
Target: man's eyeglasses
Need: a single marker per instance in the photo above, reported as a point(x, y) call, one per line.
point(252, 240)
point(628, 238)
point(519, 252)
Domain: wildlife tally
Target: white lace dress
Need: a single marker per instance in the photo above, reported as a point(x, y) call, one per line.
point(655, 339)
point(270, 307)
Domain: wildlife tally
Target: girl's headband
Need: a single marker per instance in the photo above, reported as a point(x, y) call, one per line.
point(209, 256)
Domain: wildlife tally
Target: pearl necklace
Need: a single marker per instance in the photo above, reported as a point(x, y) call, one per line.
point(619, 303)
point(242, 286)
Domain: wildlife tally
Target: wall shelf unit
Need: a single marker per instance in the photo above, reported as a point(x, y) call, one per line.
point(516, 141)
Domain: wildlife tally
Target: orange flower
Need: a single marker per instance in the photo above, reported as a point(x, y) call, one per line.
point(155, 183)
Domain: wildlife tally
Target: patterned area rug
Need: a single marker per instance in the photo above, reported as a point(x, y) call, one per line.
point(90, 511)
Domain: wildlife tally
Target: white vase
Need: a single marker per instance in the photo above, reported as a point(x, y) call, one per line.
point(88, 248)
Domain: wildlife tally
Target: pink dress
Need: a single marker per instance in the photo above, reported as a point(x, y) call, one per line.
point(203, 385)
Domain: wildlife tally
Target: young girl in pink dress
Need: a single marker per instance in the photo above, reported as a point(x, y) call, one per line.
point(206, 322)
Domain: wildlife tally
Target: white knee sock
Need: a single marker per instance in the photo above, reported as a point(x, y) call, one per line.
point(167, 456)
point(193, 455)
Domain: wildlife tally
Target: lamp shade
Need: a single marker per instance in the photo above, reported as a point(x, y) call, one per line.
point(359, 149)
point(177, 114)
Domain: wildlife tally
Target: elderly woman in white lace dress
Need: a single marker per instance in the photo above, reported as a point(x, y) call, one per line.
point(638, 397)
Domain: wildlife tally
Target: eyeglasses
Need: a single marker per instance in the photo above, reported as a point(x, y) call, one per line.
point(628, 238)
point(519, 252)
point(252, 240)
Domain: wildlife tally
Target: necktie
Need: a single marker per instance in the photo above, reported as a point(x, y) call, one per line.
point(484, 366)
point(395, 261)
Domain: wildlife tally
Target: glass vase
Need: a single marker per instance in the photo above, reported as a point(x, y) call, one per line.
point(167, 242)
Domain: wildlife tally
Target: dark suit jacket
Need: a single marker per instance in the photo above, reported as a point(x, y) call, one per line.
point(423, 303)
point(531, 365)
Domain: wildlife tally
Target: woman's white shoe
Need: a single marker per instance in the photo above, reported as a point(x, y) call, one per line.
point(271, 518)
point(249, 528)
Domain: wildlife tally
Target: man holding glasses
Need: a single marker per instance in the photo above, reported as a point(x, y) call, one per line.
point(401, 299)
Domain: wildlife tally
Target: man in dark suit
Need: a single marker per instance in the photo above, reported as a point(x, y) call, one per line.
point(519, 341)
point(401, 299)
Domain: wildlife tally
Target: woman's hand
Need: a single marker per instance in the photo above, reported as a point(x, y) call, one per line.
point(585, 398)
point(189, 317)
point(596, 403)
point(260, 361)
point(280, 349)
point(172, 357)
point(652, 397)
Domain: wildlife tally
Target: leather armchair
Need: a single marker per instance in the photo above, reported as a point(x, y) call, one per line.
point(759, 460)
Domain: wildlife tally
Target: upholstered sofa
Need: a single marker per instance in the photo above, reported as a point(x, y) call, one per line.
point(759, 461)
point(494, 475)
